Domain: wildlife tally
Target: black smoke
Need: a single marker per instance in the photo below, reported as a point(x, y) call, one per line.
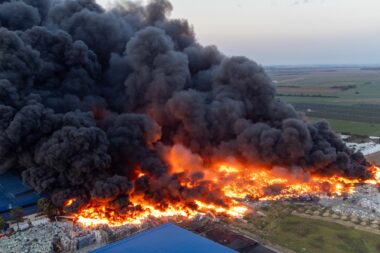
point(88, 95)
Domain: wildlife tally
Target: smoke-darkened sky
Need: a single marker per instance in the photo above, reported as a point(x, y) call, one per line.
point(288, 31)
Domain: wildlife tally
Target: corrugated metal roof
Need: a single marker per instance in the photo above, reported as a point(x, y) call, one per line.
point(14, 193)
point(167, 238)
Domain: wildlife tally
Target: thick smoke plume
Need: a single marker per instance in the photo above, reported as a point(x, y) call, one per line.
point(89, 96)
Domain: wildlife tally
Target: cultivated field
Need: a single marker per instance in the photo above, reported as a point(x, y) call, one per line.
point(315, 236)
point(348, 97)
point(278, 227)
point(352, 127)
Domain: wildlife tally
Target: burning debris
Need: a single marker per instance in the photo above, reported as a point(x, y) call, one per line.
point(121, 114)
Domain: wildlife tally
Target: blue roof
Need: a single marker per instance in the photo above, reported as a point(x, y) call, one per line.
point(14, 193)
point(167, 238)
point(25, 210)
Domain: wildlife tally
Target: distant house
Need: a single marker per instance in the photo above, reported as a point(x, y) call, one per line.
point(13, 193)
point(165, 238)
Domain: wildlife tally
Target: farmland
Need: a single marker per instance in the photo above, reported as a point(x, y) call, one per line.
point(352, 127)
point(347, 97)
point(307, 235)
point(279, 226)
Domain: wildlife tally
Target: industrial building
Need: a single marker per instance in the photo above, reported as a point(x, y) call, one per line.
point(13, 193)
point(165, 238)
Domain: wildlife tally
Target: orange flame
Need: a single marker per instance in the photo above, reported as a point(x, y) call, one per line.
point(235, 182)
point(100, 215)
point(69, 202)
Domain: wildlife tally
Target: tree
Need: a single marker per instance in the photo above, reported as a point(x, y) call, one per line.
point(17, 215)
point(2, 223)
point(46, 207)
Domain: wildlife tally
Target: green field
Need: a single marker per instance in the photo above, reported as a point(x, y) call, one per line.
point(367, 84)
point(315, 86)
point(313, 236)
point(277, 226)
point(352, 127)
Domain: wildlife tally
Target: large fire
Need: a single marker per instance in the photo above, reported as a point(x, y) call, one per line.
point(236, 183)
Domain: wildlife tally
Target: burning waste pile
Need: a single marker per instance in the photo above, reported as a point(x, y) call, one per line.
point(121, 114)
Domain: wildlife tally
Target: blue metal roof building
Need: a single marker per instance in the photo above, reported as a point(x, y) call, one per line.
point(167, 238)
point(13, 193)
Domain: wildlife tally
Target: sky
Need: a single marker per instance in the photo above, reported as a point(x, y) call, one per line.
point(287, 32)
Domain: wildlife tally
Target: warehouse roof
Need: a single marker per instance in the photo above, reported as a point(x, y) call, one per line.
point(14, 193)
point(167, 238)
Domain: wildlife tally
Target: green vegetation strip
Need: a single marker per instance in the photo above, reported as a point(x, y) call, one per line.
point(313, 236)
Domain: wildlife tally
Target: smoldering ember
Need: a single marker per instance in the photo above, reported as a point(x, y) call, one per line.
point(119, 114)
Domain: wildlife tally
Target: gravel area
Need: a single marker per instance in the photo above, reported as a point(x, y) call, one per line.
point(364, 204)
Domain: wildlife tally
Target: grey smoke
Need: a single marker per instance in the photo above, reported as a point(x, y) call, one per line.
point(89, 95)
